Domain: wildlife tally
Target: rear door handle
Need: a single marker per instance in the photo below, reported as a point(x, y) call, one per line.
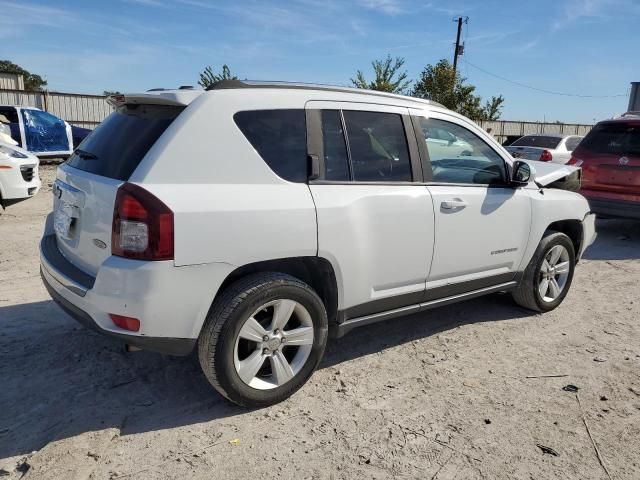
point(454, 203)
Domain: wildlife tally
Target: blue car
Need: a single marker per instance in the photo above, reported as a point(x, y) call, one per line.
point(42, 133)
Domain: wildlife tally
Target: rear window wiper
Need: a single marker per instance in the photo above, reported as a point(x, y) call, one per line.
point(85, 155)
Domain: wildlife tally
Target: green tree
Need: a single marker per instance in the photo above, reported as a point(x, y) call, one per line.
point(209, 77)
point(108, 93)
point(493, 108)
point(441, 84)
point(31, 80)
point(388, 76)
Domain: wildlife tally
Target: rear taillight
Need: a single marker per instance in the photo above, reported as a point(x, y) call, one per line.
point(142, 225)
point(575, 161)
point(546, 156)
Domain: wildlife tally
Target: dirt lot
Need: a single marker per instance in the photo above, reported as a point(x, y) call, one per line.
point(442, 394)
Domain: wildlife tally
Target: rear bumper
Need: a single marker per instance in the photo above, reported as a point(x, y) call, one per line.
point(171, 302)
point(614, 208)
point(169, 346)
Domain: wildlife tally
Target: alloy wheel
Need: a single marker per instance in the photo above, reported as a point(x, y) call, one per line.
point(273, 344)
point(554, 273)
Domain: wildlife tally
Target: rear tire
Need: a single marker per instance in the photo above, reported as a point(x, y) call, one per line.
point(548, 276)
point(263, 338)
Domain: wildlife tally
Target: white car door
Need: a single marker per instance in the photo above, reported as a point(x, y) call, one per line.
point(375, 222)
point(481, 222)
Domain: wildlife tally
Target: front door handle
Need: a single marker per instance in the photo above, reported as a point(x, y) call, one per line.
point(454, 203)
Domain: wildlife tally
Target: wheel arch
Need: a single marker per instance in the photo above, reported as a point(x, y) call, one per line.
point(572, 229)
point(317, 272)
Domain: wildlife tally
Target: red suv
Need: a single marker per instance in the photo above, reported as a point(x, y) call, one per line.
point(610, 160)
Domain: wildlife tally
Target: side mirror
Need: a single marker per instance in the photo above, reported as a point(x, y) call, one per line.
point(522, 174)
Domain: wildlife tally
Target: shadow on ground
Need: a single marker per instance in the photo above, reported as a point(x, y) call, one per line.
point(617, 240)
point(60, 379)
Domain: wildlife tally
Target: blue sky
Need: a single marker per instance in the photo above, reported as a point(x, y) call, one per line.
point(584, 47)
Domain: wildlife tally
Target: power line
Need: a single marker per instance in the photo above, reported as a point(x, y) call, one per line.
point(550, 92)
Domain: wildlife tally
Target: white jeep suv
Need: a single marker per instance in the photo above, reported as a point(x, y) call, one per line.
point(250, 220)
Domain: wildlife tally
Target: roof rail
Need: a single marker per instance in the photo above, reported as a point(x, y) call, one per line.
point(631, 114)
point(237, 84)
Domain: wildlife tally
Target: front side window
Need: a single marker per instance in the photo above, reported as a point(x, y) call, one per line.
point(378, 147)
point(459, 156)
point(280, 138)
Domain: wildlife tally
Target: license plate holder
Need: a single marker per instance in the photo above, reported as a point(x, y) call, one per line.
point(64, 218)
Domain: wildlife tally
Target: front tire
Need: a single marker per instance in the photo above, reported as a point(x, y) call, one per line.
point(263, 338)
point(548, 276)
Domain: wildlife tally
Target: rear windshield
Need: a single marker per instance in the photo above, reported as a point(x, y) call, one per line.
point(613, 138)
point(118, 145)
point(541, 141)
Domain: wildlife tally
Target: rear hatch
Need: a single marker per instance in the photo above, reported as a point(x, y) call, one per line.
point(86, 185)
point(530, 147)
point(611, 157)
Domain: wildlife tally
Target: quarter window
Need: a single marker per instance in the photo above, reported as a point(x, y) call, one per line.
point(280, 138)
point(459, 156)
point(572, 143)
point(378, 147)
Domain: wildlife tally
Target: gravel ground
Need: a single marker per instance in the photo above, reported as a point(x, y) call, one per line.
point(442, 394)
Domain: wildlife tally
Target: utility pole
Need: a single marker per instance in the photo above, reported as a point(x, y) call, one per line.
point(459, 48)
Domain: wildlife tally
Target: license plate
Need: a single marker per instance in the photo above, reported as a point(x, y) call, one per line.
point(63, 219)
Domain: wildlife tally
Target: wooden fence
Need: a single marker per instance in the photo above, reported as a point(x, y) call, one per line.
point(78, 109)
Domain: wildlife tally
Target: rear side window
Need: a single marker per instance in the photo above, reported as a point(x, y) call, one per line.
point(280, 138)
point(614, 139)
point(118, 145)
point(541, 141)
point(378, 147)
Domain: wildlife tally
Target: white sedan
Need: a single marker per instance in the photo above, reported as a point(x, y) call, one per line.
point(19, 177)
point(545, 148)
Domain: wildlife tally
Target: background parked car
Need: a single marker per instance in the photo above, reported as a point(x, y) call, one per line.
point(19, 178)
point(42, 133)
point(546, 148)
point(444, 144)
point(610, 160)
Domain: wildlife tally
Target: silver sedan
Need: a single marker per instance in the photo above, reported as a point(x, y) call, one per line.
point(545, 148)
